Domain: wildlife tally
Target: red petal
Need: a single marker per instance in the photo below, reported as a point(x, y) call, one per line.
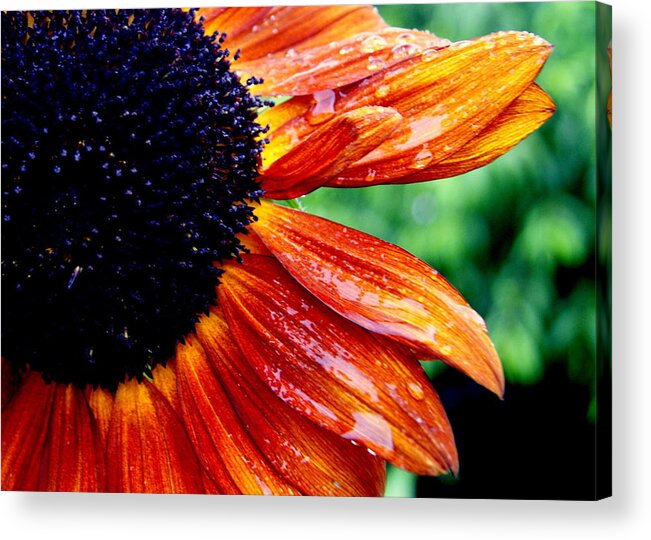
point(164, 379)
point(332, 371)
point(382, 288)
point(229, 456)
point(337, 63)
point(73, 457)
point(338, 143)
point(148, 449)
point(313, 459)
point(24, 432)
point(101, 404)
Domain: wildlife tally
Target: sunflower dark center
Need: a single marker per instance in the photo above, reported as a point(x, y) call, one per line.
point(129, 154)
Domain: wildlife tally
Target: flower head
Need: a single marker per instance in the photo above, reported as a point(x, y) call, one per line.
point(165, 329)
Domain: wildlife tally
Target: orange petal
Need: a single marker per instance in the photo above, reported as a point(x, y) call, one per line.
point(73, 457)
point(313, 459)
point(333, 371)
point(101, 404)
point(382, 288)
point(451, 100)
point(234, 21)
point(24, 431)
point(148, 450)
point(164, 379)
point(338, 143)
point(521, 118)
point(337, 63)
point(260, 31)
point(446, 97)
point(222, 443)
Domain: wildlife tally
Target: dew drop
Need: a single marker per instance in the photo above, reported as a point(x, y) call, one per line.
point(346, 49)
point(421, 160)
point(404, 51)
point(375, 63)
point(405, 38)
point(323, 108)
point(430, 54)
point(416, 390)
point(382, 91)
point(373, 43)
point(370, 175)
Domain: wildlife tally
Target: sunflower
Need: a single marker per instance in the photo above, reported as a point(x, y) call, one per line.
point(169, 329)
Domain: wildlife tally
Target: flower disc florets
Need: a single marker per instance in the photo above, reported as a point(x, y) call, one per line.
point(129, 154)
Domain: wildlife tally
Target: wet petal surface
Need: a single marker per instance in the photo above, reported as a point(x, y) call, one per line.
point(338, 63)
point(447, 98)
point(231, 459)
point(338, 143)
point(382, 288)
point(333, 371)
point(265, 30)
point(315, 460)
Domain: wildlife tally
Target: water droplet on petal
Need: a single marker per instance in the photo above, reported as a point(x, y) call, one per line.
point(404, 51)
point(430, 54)
point(346, 49)
point(422, 159)
point(371, 428)
point(416, 390)
point(323, 108)
point(405, 38)
point(375, 63)
point(382, 90)
point(373, 43)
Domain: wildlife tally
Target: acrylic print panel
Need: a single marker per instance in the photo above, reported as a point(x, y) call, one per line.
point(227, 267)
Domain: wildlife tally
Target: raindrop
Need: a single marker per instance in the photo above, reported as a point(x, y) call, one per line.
point(324, 106)
point(346, 49)
point(373, 43)
point(404, 51)
point(405, 38)
point(375, 63)
point(416, 390)
point(430, 54)
point(382, 91)
point(421, 160)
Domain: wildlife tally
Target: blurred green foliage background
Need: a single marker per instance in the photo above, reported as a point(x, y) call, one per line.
point(516, 237)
